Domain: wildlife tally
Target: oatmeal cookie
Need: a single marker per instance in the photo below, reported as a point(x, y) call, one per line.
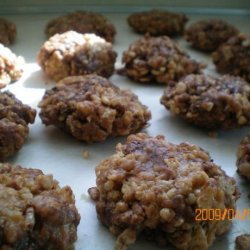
point(71, 54)
point(243, 157)
point(152, 187)
point(208, 35)
point(233, 57)
point(157, 59)
point(91, 108)
point(7, 32)
point(11, 66)
point(158, 23)
point(35, 212)
point(82, 22)
point(14, 119)
point(210, 102)
point(242, 242)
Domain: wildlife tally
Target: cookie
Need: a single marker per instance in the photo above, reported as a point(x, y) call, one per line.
point(157, 59)
point(233, 57)
point(91, 108)
point(210, 102)
point(243, 157)
point(158, 23)
point(11, 66)
point(82, 22)
point(71, 54)
point(208, 35)
point(152, 187)
point(7, 32)
point(14, 120)
point(242, 242)
point(35, 212)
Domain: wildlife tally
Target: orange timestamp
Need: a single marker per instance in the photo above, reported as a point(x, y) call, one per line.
point(218, 214)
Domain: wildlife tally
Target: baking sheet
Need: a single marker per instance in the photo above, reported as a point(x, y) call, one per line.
point(61, 155)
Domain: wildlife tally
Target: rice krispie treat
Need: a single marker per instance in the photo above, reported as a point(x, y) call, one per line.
point(210, 102)
point(7, 31)
point(157, 59)
point(91, 108)
point(11, 66)
point(152, 187)
point(35, 212)
point(208, 35)
point(14, 120)
point(71, 53)
point(233, 57)
point(243, 157)
point(158, 23)
point(242, 242)
point(82, 22)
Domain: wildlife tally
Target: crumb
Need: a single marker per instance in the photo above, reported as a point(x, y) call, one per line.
point(84, 197)
point(85, 154)
point(93, 193)
point(213, 134)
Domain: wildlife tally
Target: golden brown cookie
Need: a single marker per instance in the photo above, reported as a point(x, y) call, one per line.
point(242, 242)
point(82, 22)
point(208, 35)
point(158, 23)
point(233, 57)
point(91, 108)
point(72, 53)
point(7, 32)
point(210, 102)
point(35, 212)
point(157, 59)
point(243, 157)
point(11, 66)
point(152, 187)
point(14, 120)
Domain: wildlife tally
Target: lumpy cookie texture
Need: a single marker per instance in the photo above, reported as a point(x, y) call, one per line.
point(72, 53)
point(242, 242)
point(208, 35)
point(11, 66)
point(243, 157)
point(91, 108)
point(152, 187)
point(157, 59)
point(82, 22)
point(233, 57)
point(7, 32)
point(14, 119)
point(35, 212)
point(210, 102)
point(158, 23)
